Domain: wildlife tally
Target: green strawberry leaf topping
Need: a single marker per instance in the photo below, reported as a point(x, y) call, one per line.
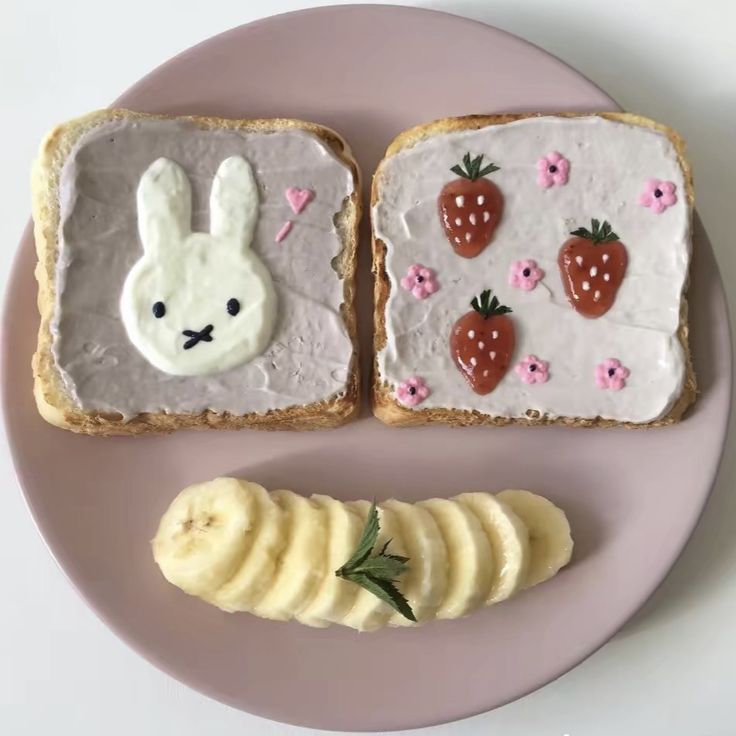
point(473, 168)
point(487, 306)
point(598, 233)
point(377, 573)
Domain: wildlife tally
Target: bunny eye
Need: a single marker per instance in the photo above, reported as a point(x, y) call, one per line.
point(159, 310)
point(233, 307)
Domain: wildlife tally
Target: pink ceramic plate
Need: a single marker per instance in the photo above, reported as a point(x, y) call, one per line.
point(632, 497)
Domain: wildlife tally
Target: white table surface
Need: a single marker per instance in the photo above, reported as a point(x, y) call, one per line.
point(671, 670)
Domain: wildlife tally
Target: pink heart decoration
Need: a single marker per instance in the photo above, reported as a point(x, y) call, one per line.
point(298, 199)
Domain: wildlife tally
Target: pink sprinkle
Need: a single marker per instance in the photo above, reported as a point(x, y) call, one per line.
point(420, 281)
point(658, 195)
point(412, 391)
point(552, 170)
point(533, 370)
point(525, 274)
point(298, 198)
point(611, 374)
point(285, 230)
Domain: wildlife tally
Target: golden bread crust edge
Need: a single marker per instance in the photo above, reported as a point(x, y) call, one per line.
point(389, 410)
point(52, 400)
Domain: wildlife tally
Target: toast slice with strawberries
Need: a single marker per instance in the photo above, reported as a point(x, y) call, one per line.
point(533, 269)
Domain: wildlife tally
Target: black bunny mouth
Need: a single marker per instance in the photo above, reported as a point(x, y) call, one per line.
point(204, 335)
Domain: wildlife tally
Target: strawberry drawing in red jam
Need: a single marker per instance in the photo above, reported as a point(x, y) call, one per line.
point(470, 207)
point(592, 265)
point(482, 343)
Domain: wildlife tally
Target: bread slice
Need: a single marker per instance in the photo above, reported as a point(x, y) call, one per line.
point(295, 365)
point(412, 335)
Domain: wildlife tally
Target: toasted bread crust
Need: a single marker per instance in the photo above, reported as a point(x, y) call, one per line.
point(388, 409)
point(52, 400)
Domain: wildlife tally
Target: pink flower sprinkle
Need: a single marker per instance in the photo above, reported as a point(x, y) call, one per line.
point(420, 281)
point(611, 374)
point(552, 169)
point(658, 195)
point(525, 274)
point(533, 370)
point(412, 391)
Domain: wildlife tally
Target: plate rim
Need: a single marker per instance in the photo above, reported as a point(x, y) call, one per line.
point(151, 655)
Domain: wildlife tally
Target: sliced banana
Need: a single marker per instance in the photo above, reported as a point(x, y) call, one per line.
point(335, 596)
point(509, 542)
point(234, 544)
point(255, 573)
point(469, 557)
point(302, 564)
point(425, 582)
point(205, 534)
point(549, 533)
point(369, 612)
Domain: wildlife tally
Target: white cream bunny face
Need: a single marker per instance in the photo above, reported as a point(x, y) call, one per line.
point(198, 303)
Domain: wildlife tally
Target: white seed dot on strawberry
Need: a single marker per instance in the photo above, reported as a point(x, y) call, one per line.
point(586, 285)
point(605, 258)
point(460, 200)
point(494, 335)
point(492, 355)
point(471, 334)
point(468, 237)
point(458, 221)
point(480, 199)
point(486, 215)
point(606, 276)
point(473, 361)
point(485, 374)
point(596, 296)
point(472, 218)
point(593, 271)
point(481, 345)
point(579, 260)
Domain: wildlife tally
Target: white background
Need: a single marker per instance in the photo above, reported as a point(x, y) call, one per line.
point(671, 670)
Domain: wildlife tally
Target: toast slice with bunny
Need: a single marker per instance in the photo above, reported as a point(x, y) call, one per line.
point(195, 272)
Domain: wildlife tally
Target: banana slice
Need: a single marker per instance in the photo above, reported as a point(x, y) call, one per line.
point(335, 596)
point(205, 534)
point(425, 583)
point(254, 575)
point(549, 533)
point(368, 612)
point(302, 564)
point(469, 557)
point(509, 540)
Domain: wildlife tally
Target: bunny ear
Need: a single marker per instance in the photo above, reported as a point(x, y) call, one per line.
point(164, 201)
point(234, 200)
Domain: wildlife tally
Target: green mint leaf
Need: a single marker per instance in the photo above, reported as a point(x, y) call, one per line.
point(365, 544)
point(457, 169)
point(381, 568)
point(386, 591)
